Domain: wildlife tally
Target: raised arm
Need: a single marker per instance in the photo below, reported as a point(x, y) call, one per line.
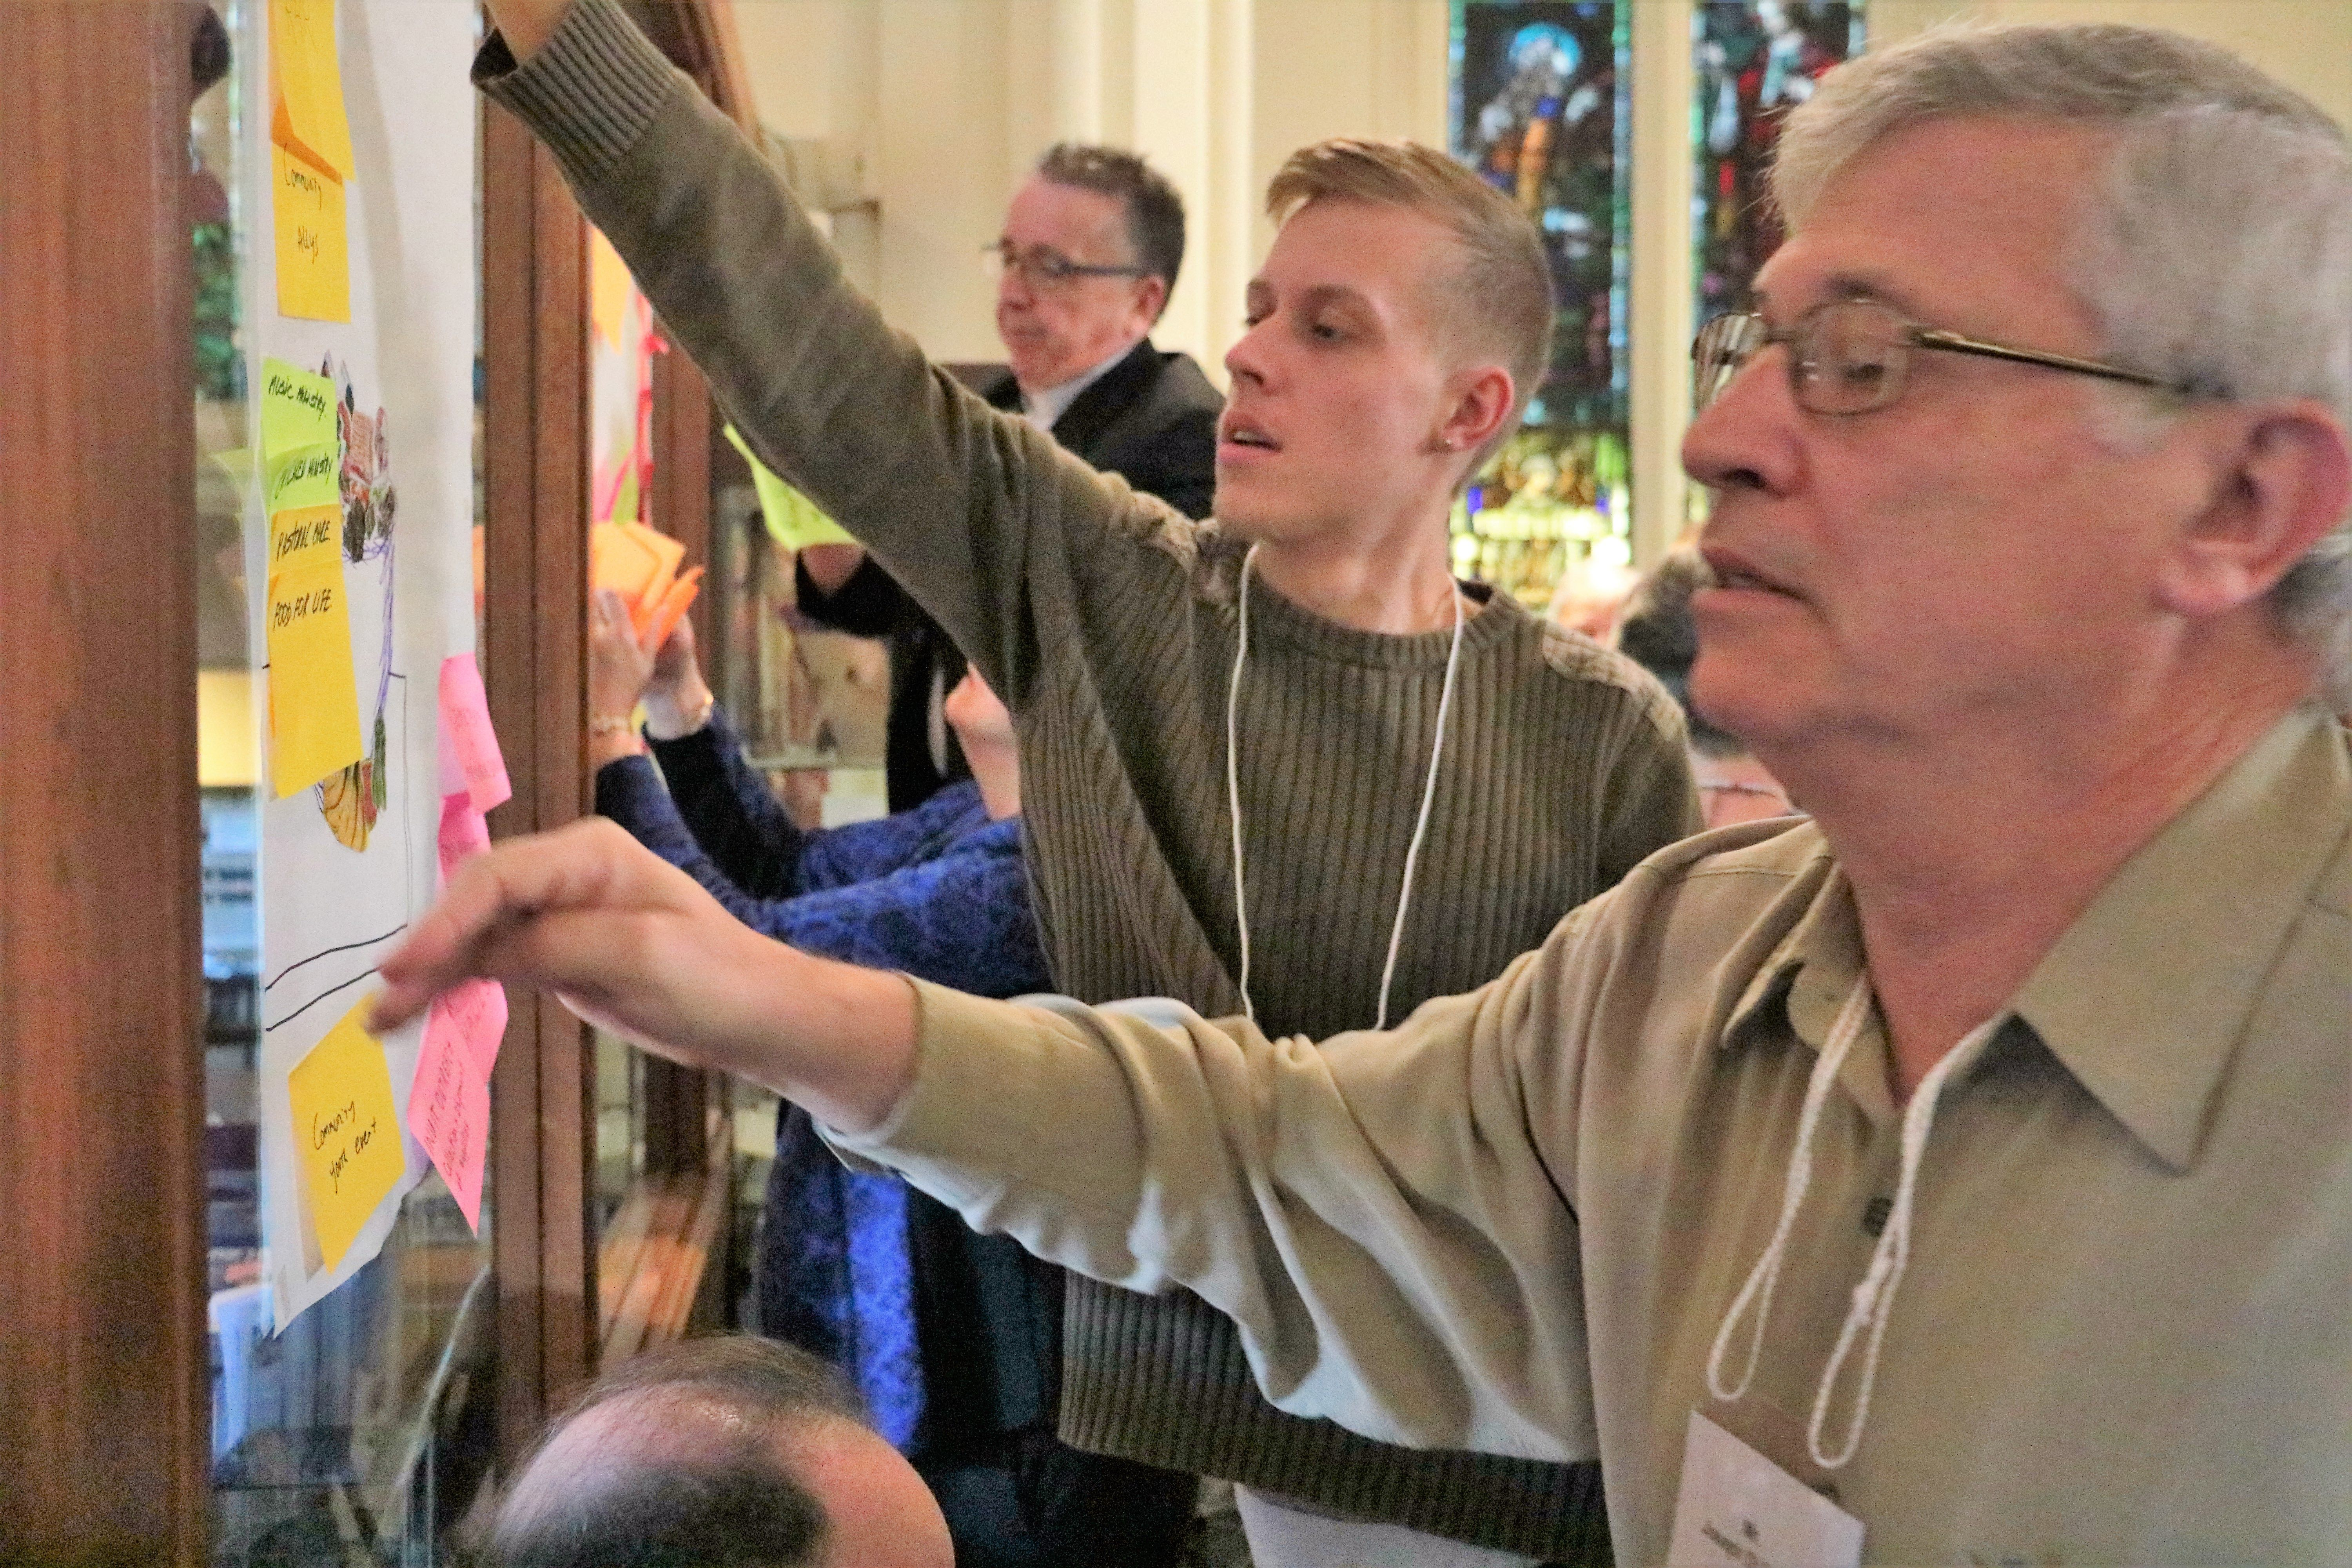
point(958, 501)
point(1387, 1219)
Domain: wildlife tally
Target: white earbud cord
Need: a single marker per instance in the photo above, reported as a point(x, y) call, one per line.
point(1233, 780)
point(1428, 799)
point(1234, 795)
point(1873, 1298)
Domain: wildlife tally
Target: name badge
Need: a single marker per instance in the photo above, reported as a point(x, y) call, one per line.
point(1738, 1509)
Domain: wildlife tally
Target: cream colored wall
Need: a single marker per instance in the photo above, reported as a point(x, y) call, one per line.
point(2304, 43)
point(950, 100)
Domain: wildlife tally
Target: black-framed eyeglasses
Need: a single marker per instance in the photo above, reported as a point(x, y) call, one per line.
point(1854, 356)
point(1045, 269)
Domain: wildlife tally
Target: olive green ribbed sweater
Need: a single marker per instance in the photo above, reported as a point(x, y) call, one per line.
point(1107, 620)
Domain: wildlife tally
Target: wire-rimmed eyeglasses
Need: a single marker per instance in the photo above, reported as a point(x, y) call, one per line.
point(1854, 356)
point(1044, 269)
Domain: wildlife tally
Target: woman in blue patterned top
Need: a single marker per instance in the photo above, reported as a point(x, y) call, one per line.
point(953, 1338)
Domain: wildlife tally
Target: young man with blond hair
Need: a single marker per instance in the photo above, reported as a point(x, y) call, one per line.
point(1962, 1175)
point(1279, 763)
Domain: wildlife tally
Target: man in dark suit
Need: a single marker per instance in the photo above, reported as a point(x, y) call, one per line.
point(1090, 249)
point(1088, 256)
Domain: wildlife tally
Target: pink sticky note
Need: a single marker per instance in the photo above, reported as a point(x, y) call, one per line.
point(463, 831)
point(449, 1113)
point(467, 735)
point(476, 1013)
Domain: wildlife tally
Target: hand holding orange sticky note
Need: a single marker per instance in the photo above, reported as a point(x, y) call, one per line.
point(347, 1149)
point(641, 564)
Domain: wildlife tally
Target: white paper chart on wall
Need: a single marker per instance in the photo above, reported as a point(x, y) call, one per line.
point(359, 305)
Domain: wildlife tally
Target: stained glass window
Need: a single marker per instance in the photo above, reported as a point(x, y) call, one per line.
point(1756, 60)
point(1541, 110)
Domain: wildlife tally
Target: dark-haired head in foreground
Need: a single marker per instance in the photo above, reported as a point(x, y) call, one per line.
point(1659, 633)
point(716, 1453)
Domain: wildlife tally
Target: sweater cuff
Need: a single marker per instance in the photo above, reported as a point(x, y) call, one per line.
point(590, 92)
point(963, 1046)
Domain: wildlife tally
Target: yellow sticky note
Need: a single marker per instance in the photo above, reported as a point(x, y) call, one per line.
point(314, 265)
point(608, 288)
point(348, 1147)
point(305, 537)
point(314, 710)
point(306, 114)
point(792, 519)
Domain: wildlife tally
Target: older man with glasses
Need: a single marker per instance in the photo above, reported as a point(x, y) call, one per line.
point(1962, 1175)
point(1092, 244)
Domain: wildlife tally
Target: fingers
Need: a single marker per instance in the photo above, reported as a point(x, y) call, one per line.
point(591, 865)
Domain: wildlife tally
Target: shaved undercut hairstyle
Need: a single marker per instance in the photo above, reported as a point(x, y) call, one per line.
point(1495, 301)
point(721, 1498)
point(2213, 253)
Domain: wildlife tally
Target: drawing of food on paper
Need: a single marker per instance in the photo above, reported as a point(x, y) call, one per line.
point(351, 800)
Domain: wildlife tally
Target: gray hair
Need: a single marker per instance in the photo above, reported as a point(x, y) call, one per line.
point(2219, 251)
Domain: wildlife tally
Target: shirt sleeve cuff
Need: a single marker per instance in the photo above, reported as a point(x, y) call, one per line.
point(962, 1044)
point(590, 92)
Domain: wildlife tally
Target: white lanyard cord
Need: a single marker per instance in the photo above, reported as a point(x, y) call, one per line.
point(1234, 796)
point(1873, 1298)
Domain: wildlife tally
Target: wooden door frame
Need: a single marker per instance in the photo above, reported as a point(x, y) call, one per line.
point(103, 1402)
point(536, 461)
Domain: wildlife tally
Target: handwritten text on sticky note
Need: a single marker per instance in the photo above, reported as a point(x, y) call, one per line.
point(305, 115)
point(314, 710)
point(449, 1103)
point(302, 443)
point(467, 734)
point(298, 408)
point(313, 239)
point(463, 832)
point(347, 1149)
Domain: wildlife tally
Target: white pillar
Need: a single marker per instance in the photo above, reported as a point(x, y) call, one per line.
point(1659, 334)
point(1077, 66)
point(1174, 89)
point(1223, 237)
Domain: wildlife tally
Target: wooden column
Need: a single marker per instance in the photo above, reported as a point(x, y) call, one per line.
point(103, 1388)
point(535, 561)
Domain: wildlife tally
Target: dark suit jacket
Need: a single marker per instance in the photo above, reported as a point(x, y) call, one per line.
point(1152, 419)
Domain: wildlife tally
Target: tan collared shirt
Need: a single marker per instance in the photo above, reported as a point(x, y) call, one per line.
point(1516, 1224)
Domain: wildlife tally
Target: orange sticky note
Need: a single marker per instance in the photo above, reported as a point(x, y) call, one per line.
point(306, 81)
point(314, 265)
point(314, 710)
point(654, 621)
point(348, 1150)
point(632, 560)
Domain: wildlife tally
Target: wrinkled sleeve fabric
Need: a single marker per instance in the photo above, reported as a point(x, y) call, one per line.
point(894, 894)
point(959, 502)
point(1650, 798)
point(1387, 1218)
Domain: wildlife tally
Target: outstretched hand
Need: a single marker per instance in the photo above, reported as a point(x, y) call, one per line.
point(636, 947)
point(527, 24)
